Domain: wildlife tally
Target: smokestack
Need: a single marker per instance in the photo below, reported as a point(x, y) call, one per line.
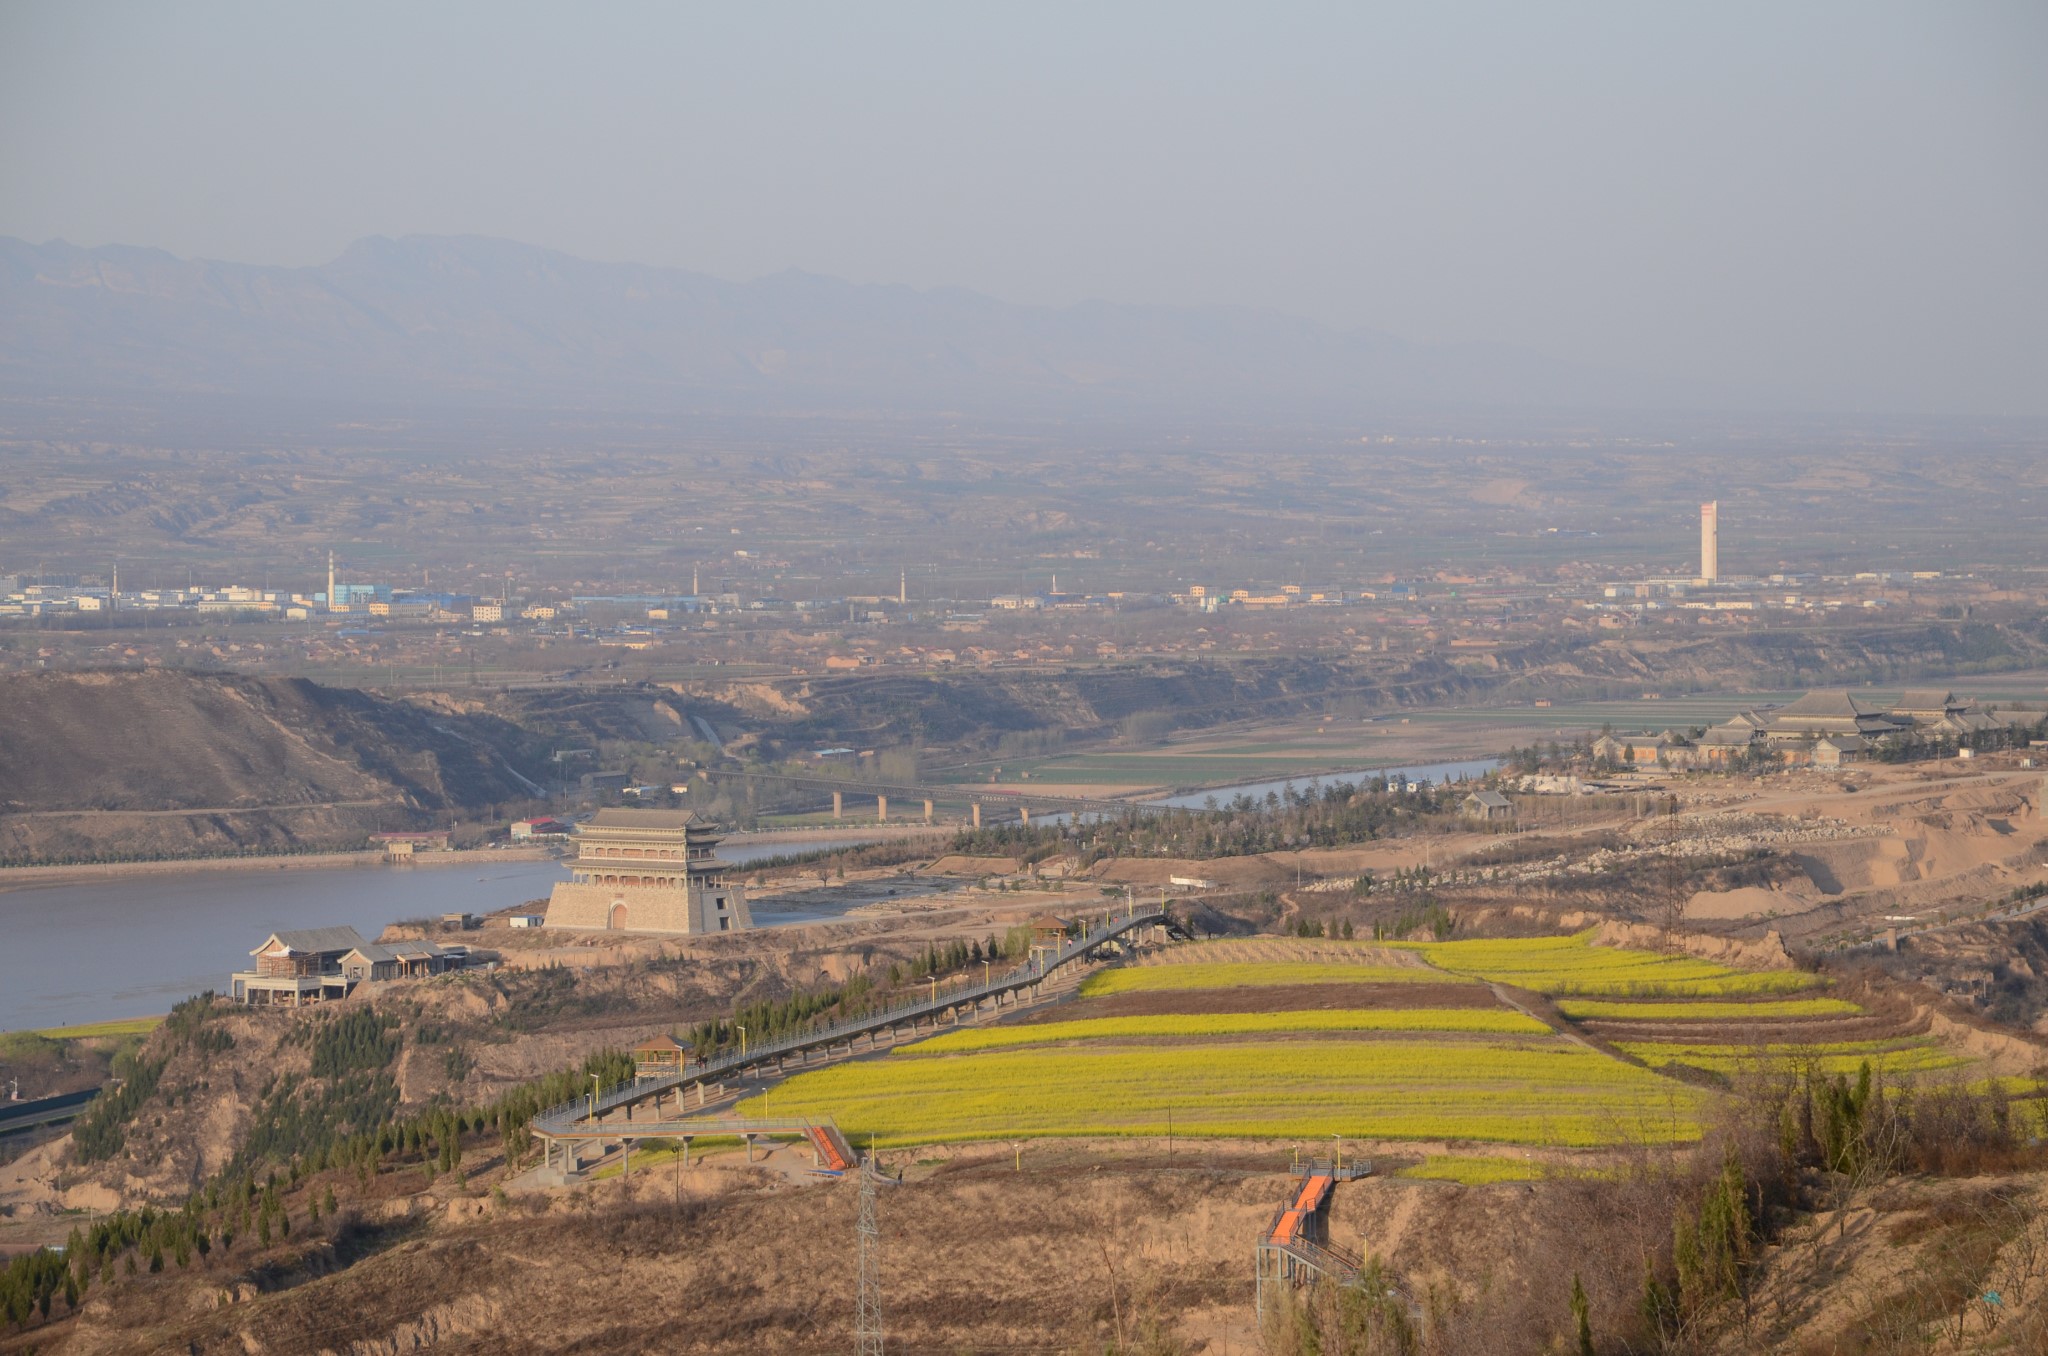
point(902, 588)
point(1710, 541)
point(330, 581)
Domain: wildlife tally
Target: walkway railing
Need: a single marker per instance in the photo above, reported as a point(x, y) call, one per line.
point(558, 1120)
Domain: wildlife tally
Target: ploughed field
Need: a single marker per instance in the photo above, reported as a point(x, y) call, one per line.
point(1535, 1042)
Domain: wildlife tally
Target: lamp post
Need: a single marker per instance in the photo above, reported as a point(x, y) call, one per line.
point(743, 1039)
point(593, 1096)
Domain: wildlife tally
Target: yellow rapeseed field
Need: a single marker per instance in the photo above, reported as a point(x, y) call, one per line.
point(1573, 965)
point(122, 1026)
point(1507, 1091)
point(1256, 974)
point(1845, 1057)
point(1705, 1011)
point(1496, 1021)
point(1476, 1170)
point(1473, 1074)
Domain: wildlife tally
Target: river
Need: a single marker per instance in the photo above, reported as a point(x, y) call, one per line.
point(1436, 773)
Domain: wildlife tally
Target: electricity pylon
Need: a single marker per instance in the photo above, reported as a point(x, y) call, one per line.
point(867, 1323)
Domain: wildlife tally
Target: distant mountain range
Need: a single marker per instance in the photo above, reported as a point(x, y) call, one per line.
point(469, 320)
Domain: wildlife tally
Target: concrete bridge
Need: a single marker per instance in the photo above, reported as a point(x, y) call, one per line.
point(608, 1114)
point(976, 798)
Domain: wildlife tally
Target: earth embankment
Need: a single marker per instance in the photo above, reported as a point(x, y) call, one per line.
point(166, 764)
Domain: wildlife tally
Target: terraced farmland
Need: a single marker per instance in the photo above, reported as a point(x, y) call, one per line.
point(1561, 966)
point(1243, 974)
point(1538, 1091)
point(1264, 1039)
point(1493, 1021)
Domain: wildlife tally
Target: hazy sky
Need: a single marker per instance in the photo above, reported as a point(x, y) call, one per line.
point(1834, 205)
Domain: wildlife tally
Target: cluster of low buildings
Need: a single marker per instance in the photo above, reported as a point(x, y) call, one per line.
point(67, 595)
point(652, 871)
point(1826, 729)
point(314, 965)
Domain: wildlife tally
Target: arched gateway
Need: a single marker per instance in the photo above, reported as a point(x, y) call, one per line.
point(648, 871)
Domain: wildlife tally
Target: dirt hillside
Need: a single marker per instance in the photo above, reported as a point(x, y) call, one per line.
point(232, 756)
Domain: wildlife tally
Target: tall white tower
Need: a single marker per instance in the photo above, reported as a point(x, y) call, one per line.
point(903, 588)
point(1710, 540)
point(330, 581)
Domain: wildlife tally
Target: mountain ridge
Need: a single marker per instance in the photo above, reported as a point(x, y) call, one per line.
point(478, 318)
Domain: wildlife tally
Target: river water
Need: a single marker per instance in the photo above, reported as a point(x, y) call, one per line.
point(130, 946)
point(1434, 773)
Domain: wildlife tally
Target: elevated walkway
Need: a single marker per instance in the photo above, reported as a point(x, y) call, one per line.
point(608, 1113)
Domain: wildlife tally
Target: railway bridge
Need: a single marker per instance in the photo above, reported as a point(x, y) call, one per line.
point(976, 798)
point(608, 1115)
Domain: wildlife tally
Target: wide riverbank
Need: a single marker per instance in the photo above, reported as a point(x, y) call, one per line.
point(741, 848)
point(32, 877)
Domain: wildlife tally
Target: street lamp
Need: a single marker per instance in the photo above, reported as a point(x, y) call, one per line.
point(594, 1085)
point(743, 1039)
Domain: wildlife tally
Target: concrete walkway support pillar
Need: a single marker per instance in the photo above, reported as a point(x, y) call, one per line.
point(881, 809)
point(1024, 814)
point(927, 812)
point(976, 808)
point(839, 805)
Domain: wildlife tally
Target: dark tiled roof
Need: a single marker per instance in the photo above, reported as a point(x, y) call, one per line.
point(1835, 704)
point(311, 940)
point(645, 819)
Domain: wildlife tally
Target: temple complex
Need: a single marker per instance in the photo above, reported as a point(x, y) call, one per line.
point(1828, 728)
point(648, 871)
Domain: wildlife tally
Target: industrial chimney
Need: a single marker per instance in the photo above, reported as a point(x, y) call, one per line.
point(1710, 541)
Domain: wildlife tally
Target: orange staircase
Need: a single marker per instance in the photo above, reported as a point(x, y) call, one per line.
point(834, 1153)
point(1290, 1224)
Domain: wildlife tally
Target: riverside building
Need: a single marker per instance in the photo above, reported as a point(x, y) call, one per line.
point(648, 871)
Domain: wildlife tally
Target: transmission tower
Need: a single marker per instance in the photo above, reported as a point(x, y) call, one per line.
point(867, 1326)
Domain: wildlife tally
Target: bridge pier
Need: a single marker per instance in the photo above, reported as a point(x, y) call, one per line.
point(976, 809)
point(1024, 815)
point(927, 812)
point(881, 809)
point(839, 805)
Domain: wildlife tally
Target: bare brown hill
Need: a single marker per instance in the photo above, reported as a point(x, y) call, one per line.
point(78, 746)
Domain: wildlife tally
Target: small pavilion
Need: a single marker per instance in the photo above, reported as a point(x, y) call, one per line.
point(660, 1056)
